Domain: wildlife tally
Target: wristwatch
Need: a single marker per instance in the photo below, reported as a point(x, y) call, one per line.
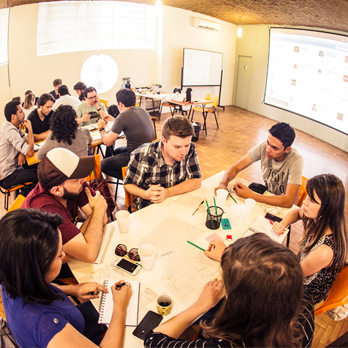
point(101, 129)
point(98, 109)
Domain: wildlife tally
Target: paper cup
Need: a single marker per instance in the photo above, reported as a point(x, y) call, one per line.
point(164, 304)
point(123, 220)
point(147, 255)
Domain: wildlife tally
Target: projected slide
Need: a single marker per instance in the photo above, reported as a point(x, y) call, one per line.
point(308, 75)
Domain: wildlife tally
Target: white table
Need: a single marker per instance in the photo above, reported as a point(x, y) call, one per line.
point(174, 224)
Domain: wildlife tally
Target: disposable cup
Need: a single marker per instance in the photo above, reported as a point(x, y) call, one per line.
point(221, 196)
point(250, 203)
point(147, 255)
point(123, 220)
point(238, 213)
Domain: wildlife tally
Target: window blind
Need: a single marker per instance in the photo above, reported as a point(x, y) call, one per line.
point(4, 13)
point(71, 26)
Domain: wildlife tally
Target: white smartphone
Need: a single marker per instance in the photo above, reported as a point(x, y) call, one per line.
point(128, 266)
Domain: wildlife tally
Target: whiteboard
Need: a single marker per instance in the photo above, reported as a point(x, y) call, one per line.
point(201, 68)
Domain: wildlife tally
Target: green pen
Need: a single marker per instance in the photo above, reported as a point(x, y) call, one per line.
point(232, 198)
point(195, 245)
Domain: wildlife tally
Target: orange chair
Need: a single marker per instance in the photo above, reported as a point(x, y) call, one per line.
point(7, 192)
point(338, 294)
point(129, 197)
point(206, 110)
point(17, 203)
point(302, 194)
point(104, 101)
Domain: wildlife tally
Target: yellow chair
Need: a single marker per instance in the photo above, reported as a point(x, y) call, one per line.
point(128, 196)
point(97, 167)
point(206, 110)
point(17, 203)
point(7, 192)
point(338, 294)
point(302, 194)
point(104, 101)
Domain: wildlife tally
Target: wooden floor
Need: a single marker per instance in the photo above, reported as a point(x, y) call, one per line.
point(239, 131)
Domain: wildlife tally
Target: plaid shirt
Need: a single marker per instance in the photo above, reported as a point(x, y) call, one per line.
point(147, 167)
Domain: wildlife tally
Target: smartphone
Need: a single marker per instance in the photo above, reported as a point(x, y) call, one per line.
point(128, 266)
point(149, 322)
point(273, 217)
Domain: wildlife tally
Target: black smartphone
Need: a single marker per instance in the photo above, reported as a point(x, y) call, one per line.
point(273, 217)
point(128, 266)
point(149, 322)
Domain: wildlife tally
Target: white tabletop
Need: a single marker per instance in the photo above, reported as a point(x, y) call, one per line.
point(181, 270)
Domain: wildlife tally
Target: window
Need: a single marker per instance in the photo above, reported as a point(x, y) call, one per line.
point(4, 35)
point(100, 71)
point(81, 26)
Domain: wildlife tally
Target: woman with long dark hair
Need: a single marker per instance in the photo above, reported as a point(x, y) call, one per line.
point(262, 283)
point(324, 242)
point(66, 133)
point(39, 314)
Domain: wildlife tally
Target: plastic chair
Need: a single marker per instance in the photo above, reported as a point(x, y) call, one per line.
point(128, 196)
point(206, 110)
point(104, 101)
point(17, 203)
point(338, 294)
point(7, 192)
point(302, 194)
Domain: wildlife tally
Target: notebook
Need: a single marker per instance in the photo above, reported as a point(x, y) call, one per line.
point(107, 304)
point(263, 225)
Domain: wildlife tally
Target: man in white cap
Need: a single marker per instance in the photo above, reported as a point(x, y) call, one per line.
point(62, 189)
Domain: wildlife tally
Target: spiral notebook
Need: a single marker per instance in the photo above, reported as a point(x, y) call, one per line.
point(107, 304)
point(263, 225)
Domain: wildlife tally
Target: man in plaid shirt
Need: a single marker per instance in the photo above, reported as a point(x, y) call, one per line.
point(166, 168)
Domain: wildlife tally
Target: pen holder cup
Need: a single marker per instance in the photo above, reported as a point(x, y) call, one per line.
point(214, 217)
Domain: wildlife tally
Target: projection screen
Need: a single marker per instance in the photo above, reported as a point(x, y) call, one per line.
point(308, 75)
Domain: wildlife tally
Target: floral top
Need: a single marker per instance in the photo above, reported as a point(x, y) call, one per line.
point(318, 284)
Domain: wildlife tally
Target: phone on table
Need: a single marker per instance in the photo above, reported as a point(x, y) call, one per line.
point(149, 322)
point(273, 217)
point(128, 266)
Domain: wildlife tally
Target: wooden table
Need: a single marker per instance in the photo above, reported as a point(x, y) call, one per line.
point(181, 270)
point(171, 98)
point(95, 146)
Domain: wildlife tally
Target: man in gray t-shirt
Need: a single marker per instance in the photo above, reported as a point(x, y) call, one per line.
point(281, 168)
point(134, 122)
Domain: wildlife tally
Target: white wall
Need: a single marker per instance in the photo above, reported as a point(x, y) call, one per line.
point(145, 67)
point(179, 33)
point(255, 42)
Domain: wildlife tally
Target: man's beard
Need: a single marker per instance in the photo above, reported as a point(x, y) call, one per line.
point(69, 195)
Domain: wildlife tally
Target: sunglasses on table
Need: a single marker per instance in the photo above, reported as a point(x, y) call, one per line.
point(121, 250)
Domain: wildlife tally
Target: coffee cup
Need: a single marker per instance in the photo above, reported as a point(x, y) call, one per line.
point(164, 304)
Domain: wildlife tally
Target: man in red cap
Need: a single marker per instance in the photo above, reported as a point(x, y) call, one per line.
point(62, 189)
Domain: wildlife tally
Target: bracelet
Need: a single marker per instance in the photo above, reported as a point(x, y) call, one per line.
point(98, 109)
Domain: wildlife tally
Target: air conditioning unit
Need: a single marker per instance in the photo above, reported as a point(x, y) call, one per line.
point(202, 23)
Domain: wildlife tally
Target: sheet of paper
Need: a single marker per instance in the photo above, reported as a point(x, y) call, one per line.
point(171, 234)
point(188, 270)
point(192, 202)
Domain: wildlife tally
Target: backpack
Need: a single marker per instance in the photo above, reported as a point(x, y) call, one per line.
point(6, 338)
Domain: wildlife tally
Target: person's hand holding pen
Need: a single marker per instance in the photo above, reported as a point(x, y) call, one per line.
point(215, 249)
point(121, 293)
point(278, 228)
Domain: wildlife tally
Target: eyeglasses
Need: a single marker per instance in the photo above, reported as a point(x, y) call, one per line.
point(93, 97)
point(121, 250)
